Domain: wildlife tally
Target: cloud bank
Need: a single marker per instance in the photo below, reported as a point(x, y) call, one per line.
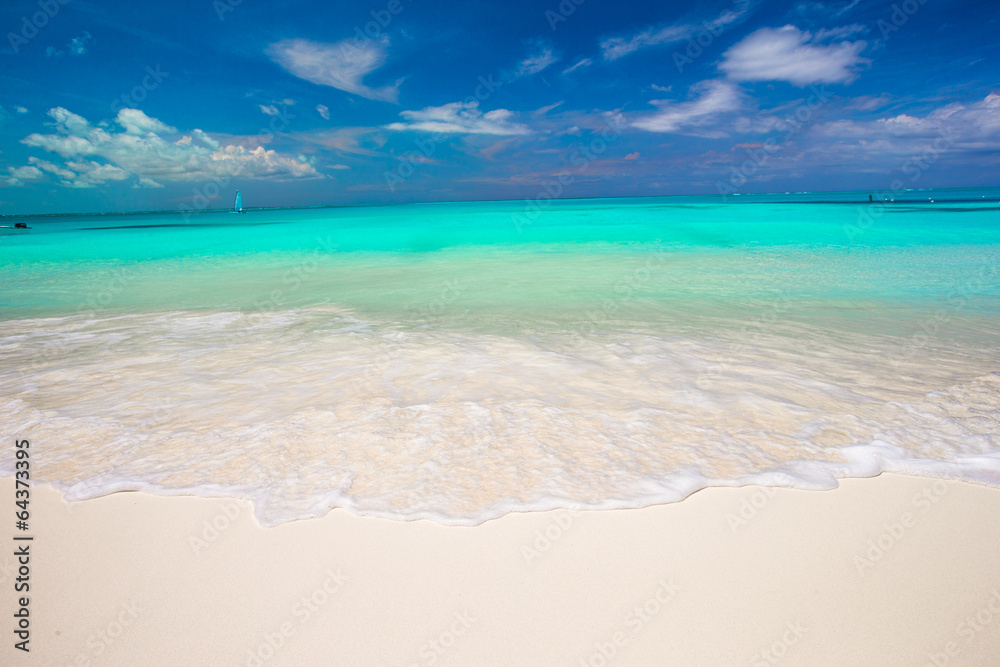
point(144, 151)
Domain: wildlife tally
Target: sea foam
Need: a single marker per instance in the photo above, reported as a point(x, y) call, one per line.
point(312, 409)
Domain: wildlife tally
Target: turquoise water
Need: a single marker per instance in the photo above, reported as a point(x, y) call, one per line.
point(458, 361)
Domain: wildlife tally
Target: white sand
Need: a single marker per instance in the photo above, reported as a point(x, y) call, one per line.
point(123, 580)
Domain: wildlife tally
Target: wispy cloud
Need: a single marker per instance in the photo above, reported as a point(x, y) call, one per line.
point(269, 109)
point(460, 118)
point(832, 9)
point(869, 102)
point(323, 111)
point(542, 57)
point(340, 65)
point(846, 8)
point(840, 32)
point(792, 55)
point(541, 111)
point(144, 150)
point(583, 62)
point(363, 141)
point(613, 48)
point(696, 116)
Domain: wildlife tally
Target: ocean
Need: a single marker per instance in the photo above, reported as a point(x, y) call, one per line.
point(460, 361)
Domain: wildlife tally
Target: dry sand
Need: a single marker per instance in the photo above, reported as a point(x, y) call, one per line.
point(887, 571)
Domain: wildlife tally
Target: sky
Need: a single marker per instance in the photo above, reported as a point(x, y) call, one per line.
point(130, 106)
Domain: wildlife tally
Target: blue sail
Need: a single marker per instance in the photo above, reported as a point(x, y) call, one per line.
point(238, 207)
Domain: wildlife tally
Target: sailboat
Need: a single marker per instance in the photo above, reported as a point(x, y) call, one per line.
point(238, 206)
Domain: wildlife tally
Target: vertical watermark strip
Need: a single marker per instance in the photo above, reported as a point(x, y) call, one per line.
point(22, 544)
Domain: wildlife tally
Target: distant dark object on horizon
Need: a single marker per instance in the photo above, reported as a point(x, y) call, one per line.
point(869, 197)
point(20, 225)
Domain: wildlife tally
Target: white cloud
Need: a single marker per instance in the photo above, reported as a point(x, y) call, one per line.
point(978, 122)
point(715, 98)
point(955, 135)
point(323, 111)
point(340, 65)
point(136, 122)
point(204, 138)
point(20, 109)
point(583, 62)
point(91, 173)
point(141, 151)
point(789, 54)
point(613, 48)
point(45, 165)
point(269, 109)
point(460, 118)
point(536, 62)
point(20, 174)
point(68, 122)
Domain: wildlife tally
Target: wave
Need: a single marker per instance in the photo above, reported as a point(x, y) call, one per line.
point(306, 410)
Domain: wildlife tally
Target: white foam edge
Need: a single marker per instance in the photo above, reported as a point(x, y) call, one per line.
point(861, 461)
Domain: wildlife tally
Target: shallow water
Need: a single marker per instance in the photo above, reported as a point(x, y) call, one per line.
point(460, 361)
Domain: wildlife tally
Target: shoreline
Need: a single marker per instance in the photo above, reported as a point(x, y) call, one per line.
point(861, 462)
point(886, 570)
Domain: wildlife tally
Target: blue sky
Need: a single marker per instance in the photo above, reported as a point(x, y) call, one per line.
point(112, 106)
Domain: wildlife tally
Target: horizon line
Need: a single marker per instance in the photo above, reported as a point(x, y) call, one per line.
point(471, 201)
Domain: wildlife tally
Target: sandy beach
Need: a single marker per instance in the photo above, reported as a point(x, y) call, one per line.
point(892, 570)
